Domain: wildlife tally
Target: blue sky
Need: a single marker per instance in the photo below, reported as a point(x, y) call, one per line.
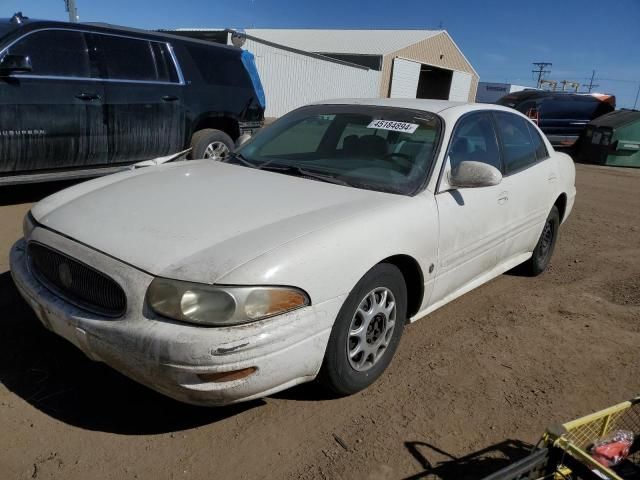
point(500, 38)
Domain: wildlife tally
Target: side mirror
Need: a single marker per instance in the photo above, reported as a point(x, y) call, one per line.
point(242, 139)
point(469, 174)
point(15, 64)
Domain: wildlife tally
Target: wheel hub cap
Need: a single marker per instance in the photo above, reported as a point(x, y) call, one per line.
point(371, 329)
point(216, 151)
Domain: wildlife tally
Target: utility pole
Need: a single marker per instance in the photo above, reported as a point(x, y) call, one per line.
point(541, 71)
point(637, 94)
point(71, 8)
point(591, 84)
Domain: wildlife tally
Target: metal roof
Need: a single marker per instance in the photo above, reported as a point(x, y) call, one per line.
point(367, 42)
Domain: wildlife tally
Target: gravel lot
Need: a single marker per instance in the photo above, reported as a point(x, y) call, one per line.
point(471, 386)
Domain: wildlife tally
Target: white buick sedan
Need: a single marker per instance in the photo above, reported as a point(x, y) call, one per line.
point(302, 255)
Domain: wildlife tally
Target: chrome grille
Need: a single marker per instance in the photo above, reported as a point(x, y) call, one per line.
point(77, 282)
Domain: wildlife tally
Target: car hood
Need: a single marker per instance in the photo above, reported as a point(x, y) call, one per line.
point(198, 220)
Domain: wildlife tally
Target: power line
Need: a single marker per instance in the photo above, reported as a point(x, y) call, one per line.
point(541, 71)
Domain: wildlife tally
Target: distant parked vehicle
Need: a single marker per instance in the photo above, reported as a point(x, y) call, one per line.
point(82, 99)
point(301, 255)
point(561, 116)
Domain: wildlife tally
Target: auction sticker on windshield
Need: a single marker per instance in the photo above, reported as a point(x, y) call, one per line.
point(393, 126)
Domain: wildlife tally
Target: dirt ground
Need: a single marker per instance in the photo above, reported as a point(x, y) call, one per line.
point(471, 387)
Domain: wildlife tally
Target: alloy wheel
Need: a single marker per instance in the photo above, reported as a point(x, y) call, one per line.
point(371, 329)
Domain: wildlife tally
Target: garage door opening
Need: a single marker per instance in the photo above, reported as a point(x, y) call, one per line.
point(434, 83)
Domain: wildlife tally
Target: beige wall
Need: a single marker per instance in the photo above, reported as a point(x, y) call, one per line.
point(428, 51)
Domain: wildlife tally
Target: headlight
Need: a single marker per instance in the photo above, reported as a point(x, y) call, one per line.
point(28, 224)
point(221, 306)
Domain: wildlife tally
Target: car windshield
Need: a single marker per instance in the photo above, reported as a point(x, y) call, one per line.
point(375, 148)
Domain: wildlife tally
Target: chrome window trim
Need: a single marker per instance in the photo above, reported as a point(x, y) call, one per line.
point(101, 79)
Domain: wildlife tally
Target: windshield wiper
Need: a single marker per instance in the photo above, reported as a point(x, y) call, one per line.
point(303, 172)
point(242, 159)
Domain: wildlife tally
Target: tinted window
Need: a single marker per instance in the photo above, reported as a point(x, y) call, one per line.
point(128, 58)
point(538, 143)
point(474, 139)
point(576, 108)
point(219, 66)
point(166, 67)
point(303, 137)
point(55, 52)
point(518, 149)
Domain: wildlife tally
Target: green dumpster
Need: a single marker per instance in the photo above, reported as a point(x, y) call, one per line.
point(612, 139)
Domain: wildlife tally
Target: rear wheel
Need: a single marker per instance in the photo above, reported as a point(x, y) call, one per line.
point(211, 144)
point(545, 246)
point(366, 332)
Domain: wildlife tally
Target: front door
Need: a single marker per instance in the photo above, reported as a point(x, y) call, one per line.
point(471, 220)
point(51, 117)
point(143, 98)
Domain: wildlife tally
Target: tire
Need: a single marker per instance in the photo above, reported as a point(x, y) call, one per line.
point(203, 140)
point(544, 248)
point(345, 372)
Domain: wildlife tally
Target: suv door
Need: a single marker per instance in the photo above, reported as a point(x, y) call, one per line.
point(51, 117)
point(529, 180)
point(143, 98)
point(471, 219)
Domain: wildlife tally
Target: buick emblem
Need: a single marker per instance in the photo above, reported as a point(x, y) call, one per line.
point(64, 273)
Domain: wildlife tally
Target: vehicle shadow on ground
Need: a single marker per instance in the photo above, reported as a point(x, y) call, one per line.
point(58, 379)
point(469, 467)
point(30, 193)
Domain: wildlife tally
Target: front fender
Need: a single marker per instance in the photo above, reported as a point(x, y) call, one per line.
point(329, 262)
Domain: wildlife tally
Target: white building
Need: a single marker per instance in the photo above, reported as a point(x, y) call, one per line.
point(298, 66)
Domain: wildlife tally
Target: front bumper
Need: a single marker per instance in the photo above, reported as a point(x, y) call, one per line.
point(169, 356)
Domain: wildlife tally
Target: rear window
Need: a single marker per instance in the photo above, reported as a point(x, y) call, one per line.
point(219, 66)
point(519, 150)
point(136, 59)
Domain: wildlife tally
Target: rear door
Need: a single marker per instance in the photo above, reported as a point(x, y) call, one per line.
point(471, 219)
point(529, 181)
point(143, 98)
point(51, 117)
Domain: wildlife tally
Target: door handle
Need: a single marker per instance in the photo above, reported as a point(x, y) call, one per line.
point(169, 98)
point(503, 197)
point(88, 96)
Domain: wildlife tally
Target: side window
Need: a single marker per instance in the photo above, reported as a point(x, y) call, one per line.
point(219, 66)
point(58, 53)
point(518, 149)
point(474, 138)
point(538, 143)
point(128, 58)
point(166, 68)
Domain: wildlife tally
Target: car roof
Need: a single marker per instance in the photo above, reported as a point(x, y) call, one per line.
point(433, 106)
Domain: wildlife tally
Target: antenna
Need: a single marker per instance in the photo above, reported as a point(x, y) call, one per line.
point(541, 71)
point(70, 6)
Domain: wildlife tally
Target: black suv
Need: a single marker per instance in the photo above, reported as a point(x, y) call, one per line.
point(82, 99)
point(561, 116)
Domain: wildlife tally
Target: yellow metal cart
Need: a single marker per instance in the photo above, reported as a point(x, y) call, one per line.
point(563, 452)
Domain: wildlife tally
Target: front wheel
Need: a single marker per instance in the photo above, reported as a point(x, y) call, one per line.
point(366, 332)
point(545, 246)
point(211, 144)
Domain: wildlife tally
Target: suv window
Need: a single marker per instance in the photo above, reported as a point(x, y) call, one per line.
point(58, 53)
point(474, 139)
point(218, 66)
point(128, 58)
point(518, 148)
point(573, 108)
point(538, 143)
point(166, 67)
